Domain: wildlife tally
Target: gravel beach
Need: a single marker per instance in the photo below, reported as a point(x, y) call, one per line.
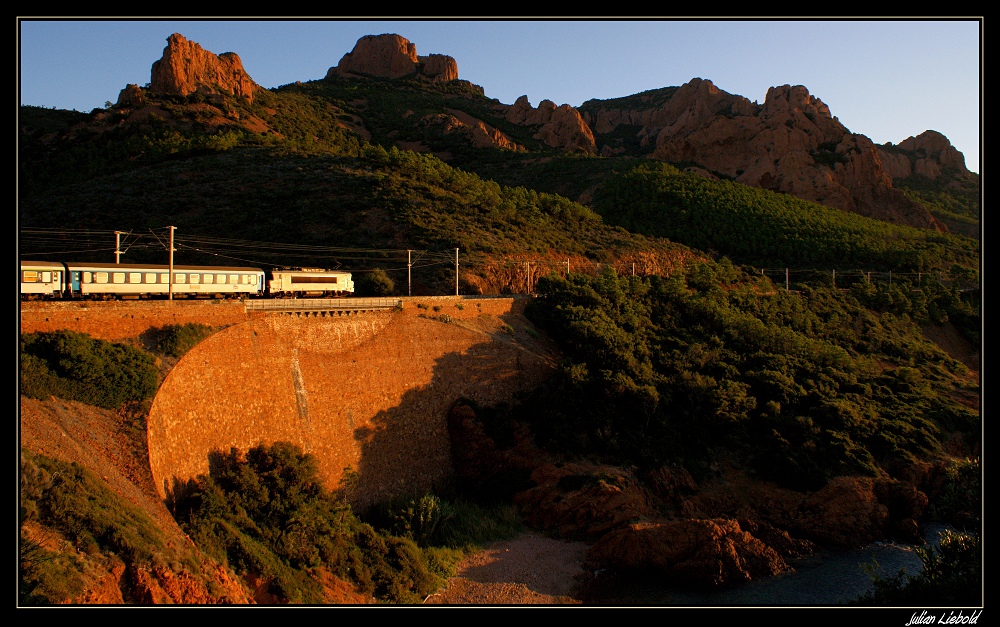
point(528, 570)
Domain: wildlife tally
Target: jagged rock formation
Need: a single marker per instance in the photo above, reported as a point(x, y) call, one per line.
point(790, 144)
point(561, 127)
point(392, 56)
point(927, 154)
point(186, 68)
point(709, 553)
point(477, 132)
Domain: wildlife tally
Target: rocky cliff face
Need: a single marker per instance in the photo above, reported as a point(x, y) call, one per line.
point(186, 68)
point(928, 154)
point(559, 126)
point(392, 56)
point(790, 144)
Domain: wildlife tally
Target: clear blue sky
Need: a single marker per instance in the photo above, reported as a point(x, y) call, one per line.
point(886, 79)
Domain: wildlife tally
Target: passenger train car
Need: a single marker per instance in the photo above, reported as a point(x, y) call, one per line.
point(102, 281)
point(41, 279)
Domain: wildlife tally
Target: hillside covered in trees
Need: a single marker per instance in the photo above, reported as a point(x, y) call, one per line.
point(682, 344)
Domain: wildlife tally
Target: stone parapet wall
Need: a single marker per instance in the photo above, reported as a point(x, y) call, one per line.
point(118, 320)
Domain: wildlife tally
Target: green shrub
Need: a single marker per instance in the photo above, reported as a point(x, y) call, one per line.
point(74, 504)
point(952, 575)
point(960, 500)
point(77, 367)
point(177, 339)
point(373, 283)
point(267, 512)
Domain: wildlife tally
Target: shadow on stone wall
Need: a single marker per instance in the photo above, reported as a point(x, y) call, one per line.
point(377, 404)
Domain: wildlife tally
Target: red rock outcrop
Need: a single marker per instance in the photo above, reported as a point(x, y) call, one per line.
point(712, 553)
point(131, 96)
point(392, 56)
point(928, 154)
point(561, 127)
point(186, 68)
point(582, 500)
point(790, 144)
point(845, 512)
point(478, 133)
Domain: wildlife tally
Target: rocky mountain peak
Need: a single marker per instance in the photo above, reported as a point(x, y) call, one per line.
point(790, 144)
point(187, 68)
point(393, 56)
point(559, 126)
point(928, 154)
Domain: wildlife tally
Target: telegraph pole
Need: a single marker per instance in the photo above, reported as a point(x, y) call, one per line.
point(170, 278)
point(118, 251)
point(409, 282)
point(456, 272)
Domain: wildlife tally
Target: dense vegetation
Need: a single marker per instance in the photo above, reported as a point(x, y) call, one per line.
point(951, 199)
point(266, 513)
point(62, 502)
point(78, 367)
point(829, 377)
point(802, 386)
point(762, 228)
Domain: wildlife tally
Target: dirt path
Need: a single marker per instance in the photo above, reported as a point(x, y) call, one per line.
point(528, 570)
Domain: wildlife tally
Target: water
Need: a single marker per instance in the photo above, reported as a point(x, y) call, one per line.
point(829, 577)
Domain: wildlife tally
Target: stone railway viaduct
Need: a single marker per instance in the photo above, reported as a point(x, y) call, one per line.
point(365, 390)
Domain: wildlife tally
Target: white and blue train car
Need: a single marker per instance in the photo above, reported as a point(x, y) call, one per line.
point(110, 280)
point(41, 279)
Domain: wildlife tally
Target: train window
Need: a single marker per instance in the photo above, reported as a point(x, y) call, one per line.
point(100, 277)
point(253, 279)
point(180, 278)
point(195, 278)
point(234, 278)
point(208, 278)
point(117, 277)
point(135, 277)
point(150, 277)
point(220, 278)
point(88, 277)
point(165, 277)
point(46, 277)
point(30, 276)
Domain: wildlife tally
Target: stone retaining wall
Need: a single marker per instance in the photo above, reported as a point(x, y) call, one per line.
point(368, 391)
point(119, 320)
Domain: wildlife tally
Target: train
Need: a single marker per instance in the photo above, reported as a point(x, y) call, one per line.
point(110, 281)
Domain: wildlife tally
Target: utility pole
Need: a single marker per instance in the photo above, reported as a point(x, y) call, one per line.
point(787, 286)
point(834, 278)
point(567, 268)
point(118, 251)
point(409, 281)
point(456, 272)
point(633, 268)
point(170, 279)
